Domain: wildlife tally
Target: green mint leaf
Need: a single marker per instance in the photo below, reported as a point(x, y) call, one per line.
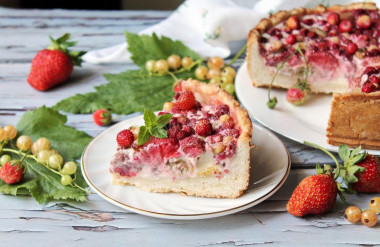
point(159, 133)
point(163, 120)
point(145, 47)
point(149, 118)
point(144, 135)
point(344, 152)
point(46, 122)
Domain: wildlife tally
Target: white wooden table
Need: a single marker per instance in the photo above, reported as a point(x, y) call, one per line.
point(23, 222)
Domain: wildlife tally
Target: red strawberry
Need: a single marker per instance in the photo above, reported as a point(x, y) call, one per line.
point(345, 26)
point(11, 174)
point(368, 180)
point(102, 117)
point(125, 138)
point(203, 127)
point(296, 96)
point(54, 65)
point(186, 101)
point(314, 195)
point(193, 146)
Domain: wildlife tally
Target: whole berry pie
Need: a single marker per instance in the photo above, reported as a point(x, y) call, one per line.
point(341, 47)
point(206, 152)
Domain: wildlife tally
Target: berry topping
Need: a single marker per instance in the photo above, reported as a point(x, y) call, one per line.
point(369, 88)
point(203, 127)
point(369, 179)
point(364, 22)
point(125, 138)
point(173, 131)
point(291, 39)
point(185, 101)
point(308, 22)
point(11, 174)
point(333, 18)
point(345, 26)
point(351, 48)
point(296, 96)
point(192, 146)
point(293, 22)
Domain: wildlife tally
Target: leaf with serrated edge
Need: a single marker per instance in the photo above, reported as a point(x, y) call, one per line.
point(143, 136)
point(163, 120)
point(149, 118)
point(344, 152)
point(159, 133)
point(356, 151)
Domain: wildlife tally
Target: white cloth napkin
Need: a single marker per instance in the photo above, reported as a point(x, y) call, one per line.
point(209, 27)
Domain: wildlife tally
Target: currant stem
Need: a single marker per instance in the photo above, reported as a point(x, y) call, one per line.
point(237, 55)
point(329, 154)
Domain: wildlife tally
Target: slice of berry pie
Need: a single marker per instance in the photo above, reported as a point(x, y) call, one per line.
point(206, 151)
point(339, 42)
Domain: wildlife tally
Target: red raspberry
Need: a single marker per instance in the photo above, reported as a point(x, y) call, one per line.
point(291, 39)
point(193, 146)
point(369, 88)
point(11, 174)
point(203, 127)
point(333, 18)
point(186, 101)
point(364, 21)
point(125, 138)
point(351, 48)
point(345, 26)
point(293, 22)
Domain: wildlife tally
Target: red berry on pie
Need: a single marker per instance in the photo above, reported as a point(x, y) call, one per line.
point(203, 127)
point(102, 117)
point(11, 174)
point(293, 22)
point(291, 39)
point(364, 22)
point(369, 88)
point(125, 138)
point(351, 48)
point(192, 146)
point(186, 101)
point(345, 26)
point(374, 79)
point(333, 18)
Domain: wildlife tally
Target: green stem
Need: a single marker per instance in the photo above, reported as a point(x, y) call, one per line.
point(237, 55)
point(307, 68)
point(329, 154)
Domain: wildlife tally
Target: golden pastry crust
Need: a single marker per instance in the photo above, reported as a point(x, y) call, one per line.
point(267, 23)
point(355, 120)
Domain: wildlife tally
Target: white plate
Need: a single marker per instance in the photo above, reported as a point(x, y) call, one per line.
point(270, 168)
point(299, 123)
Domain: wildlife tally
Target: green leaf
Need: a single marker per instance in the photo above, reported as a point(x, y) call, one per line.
point(163, 120)
point(159, 133)
point(145, 47)
point(357, 158)
point(149, 118)
point(356, 151)
point(46, 122)
point(144, 135)
point(319, 169)
point(127, 92)
point(344, 152)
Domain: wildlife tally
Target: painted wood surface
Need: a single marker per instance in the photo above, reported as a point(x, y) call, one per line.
point(23, 222)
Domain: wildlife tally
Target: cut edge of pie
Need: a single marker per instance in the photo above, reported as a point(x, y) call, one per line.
point(260, 73)
point(229, 185)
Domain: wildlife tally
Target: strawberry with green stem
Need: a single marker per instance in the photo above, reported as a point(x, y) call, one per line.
point(54, 65)
point(297, 93)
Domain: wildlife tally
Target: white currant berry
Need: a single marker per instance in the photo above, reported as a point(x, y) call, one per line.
point(41, 144)
point(201, 72)
point(229, 71)
point(174, 61)
point(215, 63)
point(10, 131)
point(2, 135)
point(24, 143)
point(161, 66)
point(69, 168)
point(55, 161)
point(149, 65)
point(187, 62)
point(5, 159)
point(212, 73)
point(43, 157)
point(66, 179)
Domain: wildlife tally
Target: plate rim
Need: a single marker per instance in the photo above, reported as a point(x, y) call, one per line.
point(186, 216)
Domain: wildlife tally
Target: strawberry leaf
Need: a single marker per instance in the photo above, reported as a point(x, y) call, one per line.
point(344, 152)
point(319, 169)
point(145, 47)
